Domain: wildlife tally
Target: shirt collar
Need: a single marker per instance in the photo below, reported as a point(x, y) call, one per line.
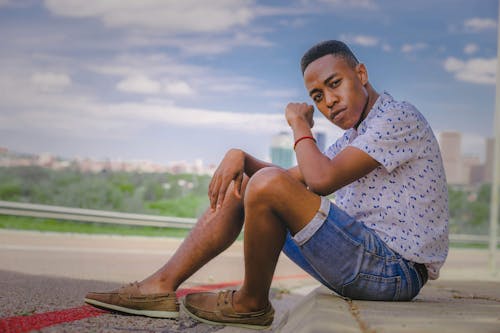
point(382, 99)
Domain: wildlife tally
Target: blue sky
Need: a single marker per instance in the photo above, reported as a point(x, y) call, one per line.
point(180, 80)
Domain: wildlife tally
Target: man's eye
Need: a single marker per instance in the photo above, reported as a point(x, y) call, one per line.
point(317, 98)
point(335, 83)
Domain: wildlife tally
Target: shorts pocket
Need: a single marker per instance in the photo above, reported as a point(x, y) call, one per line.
point(373, 288)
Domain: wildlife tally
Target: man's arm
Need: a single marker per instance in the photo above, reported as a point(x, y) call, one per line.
point(295, 173)
point(235, 163)
point(321, 174)
point(252, 165)
point(324, 176)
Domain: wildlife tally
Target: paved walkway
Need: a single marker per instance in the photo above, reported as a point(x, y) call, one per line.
point(43, 278)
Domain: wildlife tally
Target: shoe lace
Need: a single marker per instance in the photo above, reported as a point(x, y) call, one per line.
point(224, 297)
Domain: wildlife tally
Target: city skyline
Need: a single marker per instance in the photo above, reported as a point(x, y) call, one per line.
point(286, 142)
point(166, 81)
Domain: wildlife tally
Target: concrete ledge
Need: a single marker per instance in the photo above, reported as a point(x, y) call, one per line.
point(321, 311)
point(444, 306)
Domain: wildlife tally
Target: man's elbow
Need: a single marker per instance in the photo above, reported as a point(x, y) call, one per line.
point(320, 188)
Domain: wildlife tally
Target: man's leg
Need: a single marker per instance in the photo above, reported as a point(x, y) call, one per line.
point(214, 232)
point(274, 202)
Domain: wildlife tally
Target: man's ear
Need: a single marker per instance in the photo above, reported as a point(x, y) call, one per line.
point(362, 73)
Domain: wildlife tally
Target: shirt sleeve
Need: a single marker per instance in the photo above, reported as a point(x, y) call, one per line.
point(393, 136)
point(335, 148)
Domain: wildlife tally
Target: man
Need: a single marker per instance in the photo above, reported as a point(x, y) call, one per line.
point(386, 234)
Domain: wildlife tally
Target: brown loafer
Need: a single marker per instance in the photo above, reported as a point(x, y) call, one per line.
point(217, 309)
point(128, 299)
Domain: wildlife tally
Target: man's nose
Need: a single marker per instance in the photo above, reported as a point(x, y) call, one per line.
point(331, 100)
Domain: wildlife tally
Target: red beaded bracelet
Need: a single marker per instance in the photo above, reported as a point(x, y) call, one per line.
point(303, 138)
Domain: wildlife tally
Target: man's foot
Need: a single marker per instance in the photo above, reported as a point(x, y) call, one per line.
point(129, 299)
point(217, 309)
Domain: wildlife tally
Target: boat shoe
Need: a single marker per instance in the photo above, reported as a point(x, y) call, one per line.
point(217, 309)
point(128, 299)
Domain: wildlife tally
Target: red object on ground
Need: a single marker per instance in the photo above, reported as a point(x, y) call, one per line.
point(23, 324)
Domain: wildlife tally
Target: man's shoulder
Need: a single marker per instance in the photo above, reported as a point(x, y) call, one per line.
point(392, 112)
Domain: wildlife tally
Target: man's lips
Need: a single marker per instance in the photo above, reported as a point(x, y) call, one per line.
point(336, 113)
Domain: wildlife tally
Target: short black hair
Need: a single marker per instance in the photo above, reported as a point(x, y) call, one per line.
point(333, 47)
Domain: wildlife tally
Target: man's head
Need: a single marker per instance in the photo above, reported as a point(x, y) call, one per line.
point(333, 47)
point(338, 83)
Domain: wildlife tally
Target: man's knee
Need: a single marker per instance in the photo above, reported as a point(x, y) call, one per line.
point(265, 182)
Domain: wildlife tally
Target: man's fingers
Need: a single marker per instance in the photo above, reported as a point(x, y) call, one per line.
point(214, 192)
point(222, 192)
point(237, 185)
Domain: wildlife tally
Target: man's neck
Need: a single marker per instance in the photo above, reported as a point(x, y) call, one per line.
point(370, 101)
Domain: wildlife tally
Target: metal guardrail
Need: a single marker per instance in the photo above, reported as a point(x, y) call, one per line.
point(476, 239)
point(90, 215)
point(99, 216)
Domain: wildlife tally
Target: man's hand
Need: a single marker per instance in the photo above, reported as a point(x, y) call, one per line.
point(299, 112)
point(230, 169)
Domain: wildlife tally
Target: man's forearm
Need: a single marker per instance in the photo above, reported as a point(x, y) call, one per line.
point(252, 164)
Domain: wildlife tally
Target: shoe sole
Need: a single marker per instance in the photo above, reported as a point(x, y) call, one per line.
point(147, 313)
point(216, 323)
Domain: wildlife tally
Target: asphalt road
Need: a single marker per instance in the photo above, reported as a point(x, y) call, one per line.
point(44, 277)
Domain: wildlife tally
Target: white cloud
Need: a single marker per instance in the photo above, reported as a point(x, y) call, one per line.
point(471, 48)
point(362, 40)
point(139, 84)
point(179, 88)
point(452, 64)
point(387, 47)
point(477, 70)
point(224, 87)
point(202, 45)
point(410, 48)
point(478, 24)
point(50, 82)
point(161, 16)
point(75, 115)
point(141, 64)
point(367, 4)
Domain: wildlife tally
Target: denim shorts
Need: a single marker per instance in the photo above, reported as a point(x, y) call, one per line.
point(350, 259)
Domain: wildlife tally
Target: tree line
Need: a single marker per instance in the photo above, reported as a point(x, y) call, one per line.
point(183, 195)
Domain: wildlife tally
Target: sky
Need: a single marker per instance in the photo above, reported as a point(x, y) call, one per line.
point(165, 81)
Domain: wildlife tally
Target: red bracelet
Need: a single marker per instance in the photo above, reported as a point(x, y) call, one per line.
point(303, 138)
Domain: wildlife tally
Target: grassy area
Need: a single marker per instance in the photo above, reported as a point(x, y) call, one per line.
point(470, 245)
point(28, 223)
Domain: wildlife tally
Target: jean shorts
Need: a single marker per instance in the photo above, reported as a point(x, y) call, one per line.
point(350, 259)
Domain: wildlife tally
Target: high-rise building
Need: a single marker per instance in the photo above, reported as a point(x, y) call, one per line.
point(282, 150)
point(490, 160)
point(450, 143)
point(472, 170)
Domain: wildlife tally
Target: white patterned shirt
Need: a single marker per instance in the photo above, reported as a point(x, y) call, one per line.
point(405, 199)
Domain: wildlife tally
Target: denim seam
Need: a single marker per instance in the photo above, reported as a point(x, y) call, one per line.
point(377, 278)
point(420, 282)
point(409, 280)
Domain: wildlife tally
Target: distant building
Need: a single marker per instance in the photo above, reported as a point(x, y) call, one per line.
point(321, 140)
point(450, 144)
point(490, 160)
point(472, 170)
point(282, 150)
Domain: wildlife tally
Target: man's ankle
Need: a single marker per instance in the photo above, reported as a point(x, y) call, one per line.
point(242, 302)
point(150, 286)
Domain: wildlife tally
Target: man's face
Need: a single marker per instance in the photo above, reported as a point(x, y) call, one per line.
point(337, 89)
